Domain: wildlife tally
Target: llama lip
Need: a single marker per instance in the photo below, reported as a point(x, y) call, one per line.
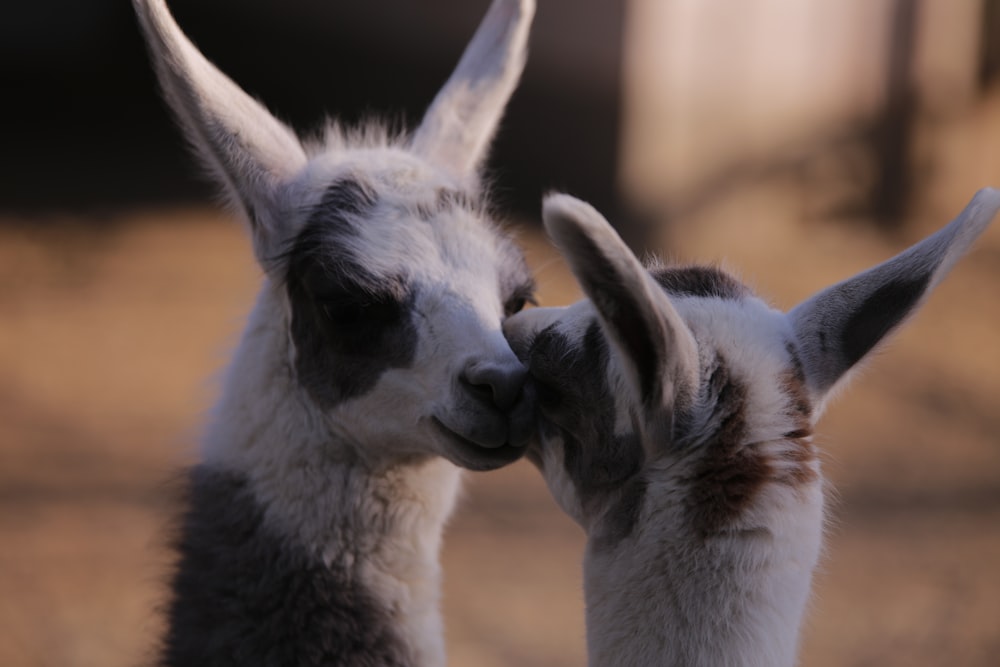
point(468, 454)
point(476, 435)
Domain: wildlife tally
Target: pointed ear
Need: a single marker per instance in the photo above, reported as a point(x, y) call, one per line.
point(656, 346)
point(457, 129)
point(250, 153)
point(837, 327)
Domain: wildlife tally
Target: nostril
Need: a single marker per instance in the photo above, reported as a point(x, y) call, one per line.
point(498, 384)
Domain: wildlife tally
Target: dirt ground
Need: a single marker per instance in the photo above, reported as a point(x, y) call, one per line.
point(110, 336)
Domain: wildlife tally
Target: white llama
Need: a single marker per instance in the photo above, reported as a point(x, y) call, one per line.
point(373, 363)
point(675, 416)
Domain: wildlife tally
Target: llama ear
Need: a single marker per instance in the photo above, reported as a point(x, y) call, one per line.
point(249, 152)
point(837, 327)
point(459, 125)
point(656, 346)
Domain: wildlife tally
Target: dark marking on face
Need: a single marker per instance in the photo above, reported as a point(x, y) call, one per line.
point(878, 315)
point(244, 596)
point(349, 324)
point(703, 281)
point(578, 408)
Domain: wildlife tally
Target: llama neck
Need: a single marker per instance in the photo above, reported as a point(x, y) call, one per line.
point(359, 545)
point(668, 597)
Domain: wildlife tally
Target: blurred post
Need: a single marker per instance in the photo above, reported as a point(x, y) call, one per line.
point(893, 127)
point(989, 63)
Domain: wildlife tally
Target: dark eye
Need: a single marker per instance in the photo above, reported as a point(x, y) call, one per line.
point(517, 301)
point(514, 306)
point(358, 311)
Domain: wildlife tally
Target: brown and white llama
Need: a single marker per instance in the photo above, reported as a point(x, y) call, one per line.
point(372, 367)
point(675, 420)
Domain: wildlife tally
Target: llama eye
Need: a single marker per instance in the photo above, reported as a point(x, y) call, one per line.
point(341, 312)
point(514, 306)
point(348, 312)
point(518, 300)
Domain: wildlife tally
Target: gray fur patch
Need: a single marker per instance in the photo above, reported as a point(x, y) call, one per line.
point(575, 400)
point(242, 596)
point(703, 281)
point(880, 312)
point(349, 325)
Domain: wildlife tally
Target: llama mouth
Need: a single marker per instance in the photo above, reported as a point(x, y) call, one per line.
point(467, 453)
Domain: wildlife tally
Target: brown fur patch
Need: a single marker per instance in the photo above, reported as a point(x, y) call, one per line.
point(800, 454)
point(730, 472)
point(728, 475)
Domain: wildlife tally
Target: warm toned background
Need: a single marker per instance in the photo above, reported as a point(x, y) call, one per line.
point(108, 345)
point(113, 326)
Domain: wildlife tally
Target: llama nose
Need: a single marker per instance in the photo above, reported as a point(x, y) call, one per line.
point(497, 382)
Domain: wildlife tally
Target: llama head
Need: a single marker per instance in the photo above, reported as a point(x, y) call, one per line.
point(682, 379)
point(385, 276)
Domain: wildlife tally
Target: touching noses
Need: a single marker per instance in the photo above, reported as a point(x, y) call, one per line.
point(497, 382)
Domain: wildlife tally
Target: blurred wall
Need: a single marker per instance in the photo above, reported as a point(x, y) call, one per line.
point(83, 128)
point(715, 91)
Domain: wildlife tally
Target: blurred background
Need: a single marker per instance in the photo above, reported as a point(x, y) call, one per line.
point(794, 143)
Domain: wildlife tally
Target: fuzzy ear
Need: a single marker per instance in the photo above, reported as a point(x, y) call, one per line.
point(249, 152)
point(655, 344)
point(837, 327)
point(459, 125)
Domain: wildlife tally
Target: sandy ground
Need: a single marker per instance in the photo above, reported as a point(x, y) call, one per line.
point(110, 336)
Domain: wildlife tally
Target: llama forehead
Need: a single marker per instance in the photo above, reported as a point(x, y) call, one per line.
point(406, 219)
